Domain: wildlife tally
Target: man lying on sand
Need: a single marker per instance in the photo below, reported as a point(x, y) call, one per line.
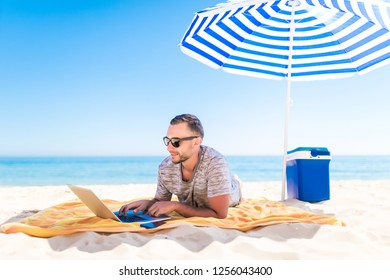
point(198, 175)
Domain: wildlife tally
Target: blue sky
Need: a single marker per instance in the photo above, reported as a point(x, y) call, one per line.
point(105, 77)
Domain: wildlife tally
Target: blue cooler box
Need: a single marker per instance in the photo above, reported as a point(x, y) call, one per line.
point(307, 172)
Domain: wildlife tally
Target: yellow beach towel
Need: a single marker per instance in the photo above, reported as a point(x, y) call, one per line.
point(74, 216)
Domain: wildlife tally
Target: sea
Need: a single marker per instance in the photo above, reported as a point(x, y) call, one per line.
point(53, 171)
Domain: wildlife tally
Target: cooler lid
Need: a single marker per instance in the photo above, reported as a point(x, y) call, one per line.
point(308, 153)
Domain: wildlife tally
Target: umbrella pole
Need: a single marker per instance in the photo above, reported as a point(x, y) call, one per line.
point(288, 99)
point(286, 119)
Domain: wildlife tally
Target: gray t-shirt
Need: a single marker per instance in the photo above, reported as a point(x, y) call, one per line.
point(211, 178)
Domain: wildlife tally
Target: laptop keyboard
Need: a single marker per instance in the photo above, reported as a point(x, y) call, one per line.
point(129, 218)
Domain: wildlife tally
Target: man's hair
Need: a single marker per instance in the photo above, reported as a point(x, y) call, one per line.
point(192, 121)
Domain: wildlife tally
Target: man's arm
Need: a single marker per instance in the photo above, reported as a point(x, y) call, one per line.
point(218, 208)
point(138, 205)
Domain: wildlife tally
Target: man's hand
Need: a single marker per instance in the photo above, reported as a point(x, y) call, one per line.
point(218, 208)
point(163, 207)
point(140, 205)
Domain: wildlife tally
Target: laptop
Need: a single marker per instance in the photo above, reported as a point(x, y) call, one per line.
point(101, 210)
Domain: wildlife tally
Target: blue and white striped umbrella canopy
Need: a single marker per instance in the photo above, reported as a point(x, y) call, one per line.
point(310, 39)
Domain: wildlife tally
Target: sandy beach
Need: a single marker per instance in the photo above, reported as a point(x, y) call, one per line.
point(362, 205)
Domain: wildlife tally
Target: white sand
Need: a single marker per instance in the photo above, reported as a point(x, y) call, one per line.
point(363, 205)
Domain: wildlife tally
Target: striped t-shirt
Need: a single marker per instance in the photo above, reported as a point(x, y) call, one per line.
point(211, 178)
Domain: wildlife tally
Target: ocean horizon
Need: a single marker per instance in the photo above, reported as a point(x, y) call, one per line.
point(112, 170)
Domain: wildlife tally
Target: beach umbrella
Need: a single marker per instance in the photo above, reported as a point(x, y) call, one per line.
point(292, 40)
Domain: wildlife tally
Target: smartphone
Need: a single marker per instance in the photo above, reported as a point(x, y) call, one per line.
point(153, 224)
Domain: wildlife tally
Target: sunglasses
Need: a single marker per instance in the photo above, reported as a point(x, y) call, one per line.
point(175, 141)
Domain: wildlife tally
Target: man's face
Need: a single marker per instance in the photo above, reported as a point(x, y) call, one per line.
point(186, 148)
